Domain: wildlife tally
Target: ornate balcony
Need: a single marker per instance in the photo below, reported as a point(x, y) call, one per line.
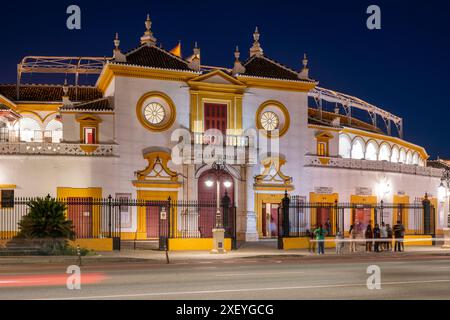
point(65, 149)
point(369, 165)
point(225, 140)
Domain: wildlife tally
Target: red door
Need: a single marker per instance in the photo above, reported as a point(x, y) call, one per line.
point(79, 210)
point(152, 213)
point(216, 117)
point(362, 219)
point(273, 220)
point(207, 200)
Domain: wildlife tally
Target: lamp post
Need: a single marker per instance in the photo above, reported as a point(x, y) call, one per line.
point(443, 195)
point(219, 231)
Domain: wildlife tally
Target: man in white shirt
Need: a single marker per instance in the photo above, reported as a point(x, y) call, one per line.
point(384, 236)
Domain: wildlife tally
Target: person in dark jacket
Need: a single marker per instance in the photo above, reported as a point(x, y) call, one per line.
point(389, 237)
point(377, 237)
point(369, 237)
point(311, 240)
point(399, 233)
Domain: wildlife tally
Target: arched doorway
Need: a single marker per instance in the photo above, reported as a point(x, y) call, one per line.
point(207, 198)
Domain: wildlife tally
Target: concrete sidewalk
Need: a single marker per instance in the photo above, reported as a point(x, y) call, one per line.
point(248, 250)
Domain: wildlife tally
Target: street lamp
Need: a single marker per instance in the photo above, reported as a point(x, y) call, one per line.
point(219, 231)
point(443, 195)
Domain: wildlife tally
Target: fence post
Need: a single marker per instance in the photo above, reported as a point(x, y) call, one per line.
point(109, 217)
point(284, 219)
point(381, 211)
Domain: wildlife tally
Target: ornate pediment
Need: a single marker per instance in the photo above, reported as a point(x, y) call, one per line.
point(272, 176)
point(217, 80)
point(157, 171)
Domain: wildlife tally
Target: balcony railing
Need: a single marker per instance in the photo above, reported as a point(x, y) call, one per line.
point(66, 149)
point(225, 140)
point(370, 165)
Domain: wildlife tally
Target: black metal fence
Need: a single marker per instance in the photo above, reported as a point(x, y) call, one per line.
point(297, 218)
point(92, 218)
point(101, 218)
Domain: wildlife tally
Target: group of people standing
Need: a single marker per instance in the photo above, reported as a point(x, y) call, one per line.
point(377, 239)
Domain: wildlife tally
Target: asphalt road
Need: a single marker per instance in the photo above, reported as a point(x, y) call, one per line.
point(418, 277)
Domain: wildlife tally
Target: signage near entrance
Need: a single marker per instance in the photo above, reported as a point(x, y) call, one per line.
point(363, 191)
point(323, 190)
point(163, 213)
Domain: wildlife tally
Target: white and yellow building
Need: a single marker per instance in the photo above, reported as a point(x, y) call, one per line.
point(117, 138)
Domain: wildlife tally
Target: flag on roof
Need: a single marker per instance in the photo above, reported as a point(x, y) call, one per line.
point(177, 50)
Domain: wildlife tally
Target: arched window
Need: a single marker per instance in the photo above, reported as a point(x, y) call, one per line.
point(385, 152)
point(29, 130)
point(395, 154)
point(54, 131)
point(402, 157)
point(409, 157)
point(358, 149)
point(371, 151)
point(345, 146)
point(415, 158)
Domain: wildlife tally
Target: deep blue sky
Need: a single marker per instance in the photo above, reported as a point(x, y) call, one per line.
point(403, 68)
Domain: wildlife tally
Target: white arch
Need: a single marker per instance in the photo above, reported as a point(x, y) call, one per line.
point(395, 154)
point(372, 150)
point(358, 148)
point(29, 129)
point(385, 152)
point(345, 146)
point(402, 157)
point(55, 129)
point(415, 158)
point(409, 157)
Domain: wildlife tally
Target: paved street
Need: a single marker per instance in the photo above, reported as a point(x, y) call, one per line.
point(294, 276)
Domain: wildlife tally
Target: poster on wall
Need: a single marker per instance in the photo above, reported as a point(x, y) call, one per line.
point(125, 210)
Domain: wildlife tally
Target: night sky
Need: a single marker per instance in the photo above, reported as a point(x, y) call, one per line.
point(403, 68)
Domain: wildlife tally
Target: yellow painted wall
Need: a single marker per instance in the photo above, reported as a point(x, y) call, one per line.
point(303, 243)
point(205, 244)
point(427, 240)
point(261, 198)
point(154, 195)
point(95, 193)
point(354, 199)
point(400, 200)
point(104, 244)
point(322, 198)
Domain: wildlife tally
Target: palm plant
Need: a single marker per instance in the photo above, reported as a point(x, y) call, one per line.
point(46, 219)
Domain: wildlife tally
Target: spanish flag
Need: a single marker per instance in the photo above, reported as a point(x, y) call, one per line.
point(177, 50)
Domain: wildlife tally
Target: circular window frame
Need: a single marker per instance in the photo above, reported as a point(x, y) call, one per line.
point(285, 124)
point(144, 101)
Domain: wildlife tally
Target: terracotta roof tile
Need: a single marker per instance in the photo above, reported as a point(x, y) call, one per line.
point(152, 56)
point(48, 93)
point(104, 104)
point(268, 68)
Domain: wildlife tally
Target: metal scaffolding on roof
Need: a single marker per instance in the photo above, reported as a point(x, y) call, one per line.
point(348, 102)
point(60, 65)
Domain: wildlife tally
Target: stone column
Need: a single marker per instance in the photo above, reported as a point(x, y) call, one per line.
point(251, 232)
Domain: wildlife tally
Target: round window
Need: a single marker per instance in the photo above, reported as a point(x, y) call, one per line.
point(269, 121)
point(154, 113)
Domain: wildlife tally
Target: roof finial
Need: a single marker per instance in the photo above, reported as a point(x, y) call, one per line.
point(304, 73)
point(117, 54)
point(256, 49)
point(238, 67)
point(148, 34)
point(194, 59)
point(117, 41)
point(65, 98)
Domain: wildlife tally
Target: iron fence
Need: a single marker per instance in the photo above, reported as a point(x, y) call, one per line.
point(91, 218)
point(297, 218)
point(102, 218)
